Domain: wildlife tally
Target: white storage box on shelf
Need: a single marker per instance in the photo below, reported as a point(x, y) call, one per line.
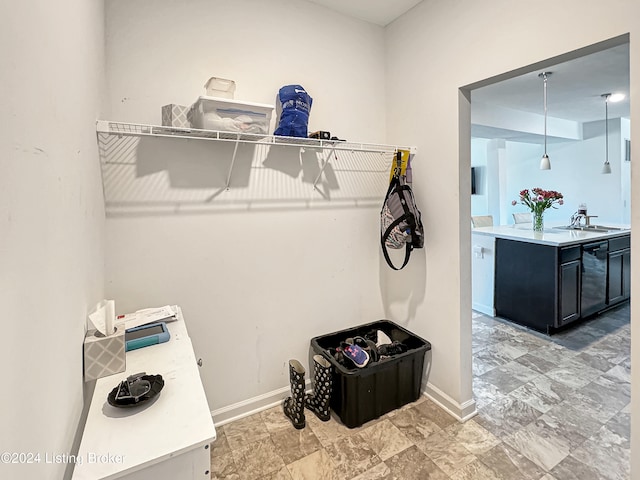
point(213, 113)
point(220, 87)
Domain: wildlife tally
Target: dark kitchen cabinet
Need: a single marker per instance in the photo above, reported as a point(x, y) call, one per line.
point(547, 287)
point(619, 270)
point(570, 275)
point(537, 285)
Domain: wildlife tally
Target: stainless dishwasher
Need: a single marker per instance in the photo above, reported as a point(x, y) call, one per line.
point(594, 277)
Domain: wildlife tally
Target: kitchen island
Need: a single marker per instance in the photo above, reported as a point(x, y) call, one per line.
point(551, 279)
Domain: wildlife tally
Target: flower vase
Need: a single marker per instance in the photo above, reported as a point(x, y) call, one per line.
point(538, 221)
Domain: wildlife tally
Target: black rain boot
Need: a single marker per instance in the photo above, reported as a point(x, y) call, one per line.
point(318, 402)
point(293, 406)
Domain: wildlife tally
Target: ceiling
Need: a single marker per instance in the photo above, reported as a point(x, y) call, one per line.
point(379, 12)
point(574, 88)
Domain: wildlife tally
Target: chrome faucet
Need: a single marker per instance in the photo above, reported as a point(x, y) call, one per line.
point(577, 217)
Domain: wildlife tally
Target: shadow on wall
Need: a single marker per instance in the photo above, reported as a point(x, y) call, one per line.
point(163, 170)
point(402, 292)
point(286, 160)
point(193, 164)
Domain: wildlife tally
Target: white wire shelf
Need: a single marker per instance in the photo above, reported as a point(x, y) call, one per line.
point(136, 170)
point(137, 129)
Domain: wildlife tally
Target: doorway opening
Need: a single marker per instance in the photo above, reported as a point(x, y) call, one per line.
point(528, 386)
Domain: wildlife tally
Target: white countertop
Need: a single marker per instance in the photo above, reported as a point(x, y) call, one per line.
point(177, 421)
point(550, 236)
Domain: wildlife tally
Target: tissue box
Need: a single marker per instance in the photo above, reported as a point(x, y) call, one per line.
point(104, 356)
point(175, 116)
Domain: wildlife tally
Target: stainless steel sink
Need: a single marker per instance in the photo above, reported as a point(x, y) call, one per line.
point(594, 228)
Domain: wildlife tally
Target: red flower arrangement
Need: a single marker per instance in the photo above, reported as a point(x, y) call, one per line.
point(538, 200)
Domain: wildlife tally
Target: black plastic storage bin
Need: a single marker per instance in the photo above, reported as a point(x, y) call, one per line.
point(362, 394)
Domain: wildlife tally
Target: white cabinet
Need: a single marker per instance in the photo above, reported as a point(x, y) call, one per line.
point(482, 273)
point(167, 439)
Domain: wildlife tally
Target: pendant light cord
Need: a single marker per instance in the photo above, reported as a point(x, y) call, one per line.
point(544, 162)
point(606, 128)
point(545, 111)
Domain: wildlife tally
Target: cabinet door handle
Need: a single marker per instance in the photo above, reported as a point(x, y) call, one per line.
point(199, 362)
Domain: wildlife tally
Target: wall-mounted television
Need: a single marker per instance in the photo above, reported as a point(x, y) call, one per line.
point(473, 181)
point(627, 150)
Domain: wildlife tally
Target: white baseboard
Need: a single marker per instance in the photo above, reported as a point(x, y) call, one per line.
point(486, 309)
point(461, 411)
point(251, 406)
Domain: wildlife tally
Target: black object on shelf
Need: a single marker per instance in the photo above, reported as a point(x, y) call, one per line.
point(135, 390)
point(320, 135)
point(363, 394)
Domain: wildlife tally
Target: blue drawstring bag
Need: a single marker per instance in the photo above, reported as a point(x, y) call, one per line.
point(294, 118)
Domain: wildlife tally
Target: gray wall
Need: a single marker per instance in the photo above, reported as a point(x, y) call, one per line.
point(51, 221)
point(448, 45)
point(263, 267)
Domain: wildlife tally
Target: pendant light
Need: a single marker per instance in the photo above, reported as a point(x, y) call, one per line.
point(606, 168)
point(544, 162)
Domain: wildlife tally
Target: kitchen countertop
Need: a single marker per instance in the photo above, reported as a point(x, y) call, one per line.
point(550, 236)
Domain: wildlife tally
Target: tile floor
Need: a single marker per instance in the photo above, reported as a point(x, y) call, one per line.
point(548, 409)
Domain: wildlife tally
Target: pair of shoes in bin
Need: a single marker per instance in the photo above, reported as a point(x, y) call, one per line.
point(378, 337)
point(393, 348)
point(339, 357)
point(359, 351)
point(355, 353)
point(382, 338)
point(368, 346)
point(384, 346)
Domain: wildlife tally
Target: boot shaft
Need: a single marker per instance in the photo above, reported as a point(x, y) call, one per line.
point(293, 406)
point(318, 402)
